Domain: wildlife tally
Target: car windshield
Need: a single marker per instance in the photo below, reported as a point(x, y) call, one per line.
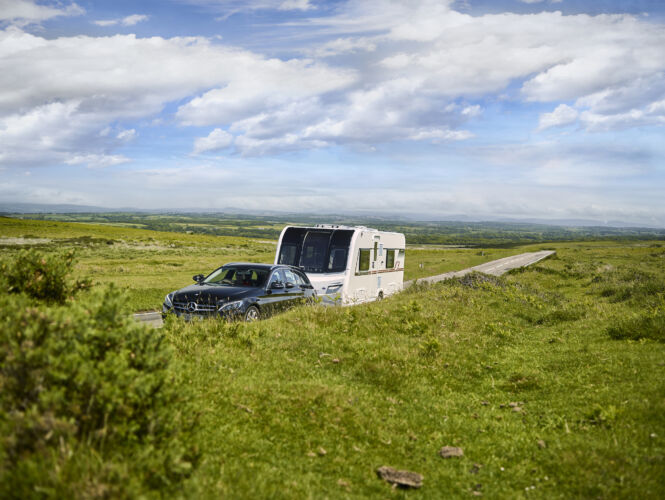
point(247, 276)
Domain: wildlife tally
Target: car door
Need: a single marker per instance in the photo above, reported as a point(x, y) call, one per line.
point(272, 300)
point(295, 293)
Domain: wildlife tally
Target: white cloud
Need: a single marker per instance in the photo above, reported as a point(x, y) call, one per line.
point(106, 22)
point(40, 134)
point(595, 122)
point(134, 19)
point(126, 135)
point(88, 83)
point(657, 107)
point(561, 116)
point(125, 21)
point(341, 46)
point(295, 5)
point(97, 161)
point(618, 69)
point(439, 135)
point(227, 8)
point(22, 12)
point(391, 111)
point(254, 86)
point(439, 57)
point(216, 140)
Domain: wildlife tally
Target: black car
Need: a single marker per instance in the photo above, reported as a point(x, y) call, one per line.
point(241, 291)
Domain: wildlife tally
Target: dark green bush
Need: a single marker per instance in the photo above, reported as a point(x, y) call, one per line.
point(649, 325)
point(622, 286)
point(562, 314)
point(41, 276)
point(90, 405)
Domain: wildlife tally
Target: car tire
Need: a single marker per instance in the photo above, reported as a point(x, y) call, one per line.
point(252, 314)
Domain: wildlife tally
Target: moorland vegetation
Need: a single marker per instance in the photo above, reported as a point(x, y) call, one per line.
point(148, 264)
point(550, 379)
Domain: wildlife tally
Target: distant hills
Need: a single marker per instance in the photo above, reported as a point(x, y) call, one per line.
point(358, 217)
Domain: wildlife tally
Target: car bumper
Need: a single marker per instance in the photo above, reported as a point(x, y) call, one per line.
point(200, 315)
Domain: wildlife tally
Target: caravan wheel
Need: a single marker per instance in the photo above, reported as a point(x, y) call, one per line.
point(380, 296)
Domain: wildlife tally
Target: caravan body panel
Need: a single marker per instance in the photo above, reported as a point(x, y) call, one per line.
point(346, 265)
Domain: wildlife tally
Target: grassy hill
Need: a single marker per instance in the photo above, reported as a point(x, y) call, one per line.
point(551, 380)
point(310, 403)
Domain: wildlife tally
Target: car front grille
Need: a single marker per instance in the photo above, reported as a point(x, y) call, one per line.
point(194, 308)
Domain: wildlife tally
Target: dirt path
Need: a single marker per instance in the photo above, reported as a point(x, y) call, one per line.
point(495, 267)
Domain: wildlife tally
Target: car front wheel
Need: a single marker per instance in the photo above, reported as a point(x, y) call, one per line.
point(252, 314)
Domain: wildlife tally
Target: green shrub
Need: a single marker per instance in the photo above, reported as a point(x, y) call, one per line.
point(562, 314)
point(626, 285)
point(41, 276)
point(89, 402)
point(649, 325)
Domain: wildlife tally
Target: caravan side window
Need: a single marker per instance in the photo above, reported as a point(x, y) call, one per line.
point(363, 259)
point(390, 259)
point(400, 258)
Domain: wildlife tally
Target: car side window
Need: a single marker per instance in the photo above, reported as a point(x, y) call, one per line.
point(302, 279)
point(276, 277)
point(291, 277)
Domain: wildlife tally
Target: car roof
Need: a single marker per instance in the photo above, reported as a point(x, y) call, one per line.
point(264, 266)
point(250, 264)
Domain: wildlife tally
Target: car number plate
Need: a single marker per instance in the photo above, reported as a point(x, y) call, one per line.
point(192, 317)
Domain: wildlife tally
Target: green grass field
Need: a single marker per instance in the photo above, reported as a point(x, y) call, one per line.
point(310, 403)
point(391, 383)
point(150, 264)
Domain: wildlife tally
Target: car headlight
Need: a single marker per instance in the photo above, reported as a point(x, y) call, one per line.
point(334, 288)
point(168, 300)
point(230, 306)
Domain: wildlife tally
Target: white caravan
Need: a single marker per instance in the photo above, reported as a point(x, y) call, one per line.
point(346, 265)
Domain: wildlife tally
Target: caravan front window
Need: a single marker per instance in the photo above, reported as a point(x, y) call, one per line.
point(317, 251)
point(339, 251)
point(314, 250)
point(287, 254)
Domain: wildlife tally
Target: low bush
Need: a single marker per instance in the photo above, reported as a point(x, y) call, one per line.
point(90, 405)
point(562, 314)
point(626, 285)
point(649, 325)
point(41, 276)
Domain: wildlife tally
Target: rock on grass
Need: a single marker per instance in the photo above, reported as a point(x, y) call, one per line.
point(402, 478)
point(451, 451)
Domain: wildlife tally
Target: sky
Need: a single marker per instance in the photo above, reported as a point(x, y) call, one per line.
point(520, 109)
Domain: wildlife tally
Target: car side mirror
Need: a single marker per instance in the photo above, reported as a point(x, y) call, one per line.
point(277, 285)
point(289, 284)
point(198, 278)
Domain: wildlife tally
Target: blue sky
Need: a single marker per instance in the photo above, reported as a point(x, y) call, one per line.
point(515, 108)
